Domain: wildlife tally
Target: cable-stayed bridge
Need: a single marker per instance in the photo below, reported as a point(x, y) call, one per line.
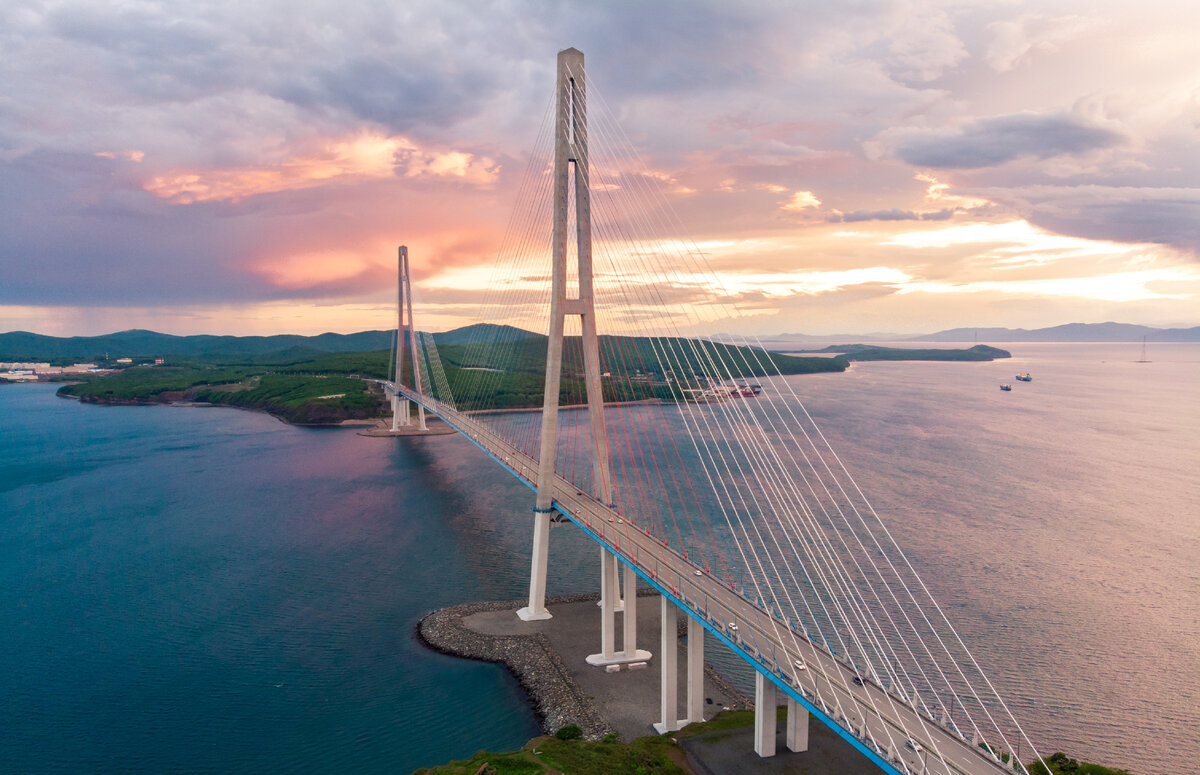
point(692, 462)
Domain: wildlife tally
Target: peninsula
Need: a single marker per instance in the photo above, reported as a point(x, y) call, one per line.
point(334, 378)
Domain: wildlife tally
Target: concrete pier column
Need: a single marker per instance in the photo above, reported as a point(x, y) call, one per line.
point(608, 600)
point(765, 709)
point(608, 621)
point(668, 656)
point(618, 602)
point(797, 726)
point(695, 671)
point(629, 618)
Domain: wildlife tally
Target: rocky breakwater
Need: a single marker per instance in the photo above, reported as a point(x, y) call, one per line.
point(556, 697)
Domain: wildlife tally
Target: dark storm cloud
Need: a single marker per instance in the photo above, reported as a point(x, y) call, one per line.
point(1169, 216)
point(74, 232)
point(990, 141)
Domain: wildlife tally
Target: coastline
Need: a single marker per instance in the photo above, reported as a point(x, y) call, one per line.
point(555, 698)
point(346, 423)
point(538, 665)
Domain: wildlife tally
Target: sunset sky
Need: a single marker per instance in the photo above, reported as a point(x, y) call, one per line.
point(249, 168)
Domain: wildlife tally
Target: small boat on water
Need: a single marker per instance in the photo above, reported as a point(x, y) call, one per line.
point(1024, 377)
point(1006, 386)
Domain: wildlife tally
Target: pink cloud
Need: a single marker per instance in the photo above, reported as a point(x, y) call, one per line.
point(356, 158)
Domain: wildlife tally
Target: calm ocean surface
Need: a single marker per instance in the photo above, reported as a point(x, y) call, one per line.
point(191, 590)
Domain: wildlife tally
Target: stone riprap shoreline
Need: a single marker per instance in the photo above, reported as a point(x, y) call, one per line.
point(555, 696)
point(538, 666)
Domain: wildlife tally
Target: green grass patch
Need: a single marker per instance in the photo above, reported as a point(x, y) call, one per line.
point(644, 756)
point(147, 383)
point(297, 398)
point(302, 398)
point(724, 721)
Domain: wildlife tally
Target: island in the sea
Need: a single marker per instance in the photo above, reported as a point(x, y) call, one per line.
point(334, 378)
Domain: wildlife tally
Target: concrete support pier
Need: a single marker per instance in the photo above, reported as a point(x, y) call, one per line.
point(765, 709)
point(609, 596)
point(797, 727)
point(629, 613)
point(695, 671)
point(669, 720)
point(668, 656)
point(619, 603)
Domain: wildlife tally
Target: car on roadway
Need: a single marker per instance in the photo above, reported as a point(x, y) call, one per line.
point(913, 745)
point(799, 665)
point(858, 681)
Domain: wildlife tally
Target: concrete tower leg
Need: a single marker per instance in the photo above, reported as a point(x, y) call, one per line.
point(536, 610)
point(765, 709)
point(797, 726)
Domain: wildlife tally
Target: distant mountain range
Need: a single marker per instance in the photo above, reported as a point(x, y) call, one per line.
point(1071, 332)
point(24, 346)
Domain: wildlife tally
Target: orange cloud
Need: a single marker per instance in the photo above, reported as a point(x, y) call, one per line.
point(364, 156)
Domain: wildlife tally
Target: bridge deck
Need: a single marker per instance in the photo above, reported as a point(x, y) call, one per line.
point(875, 720)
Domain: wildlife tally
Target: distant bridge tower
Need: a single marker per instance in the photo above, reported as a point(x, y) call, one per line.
point(405, 343)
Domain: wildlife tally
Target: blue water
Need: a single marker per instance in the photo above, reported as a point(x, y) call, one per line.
point(211, 590)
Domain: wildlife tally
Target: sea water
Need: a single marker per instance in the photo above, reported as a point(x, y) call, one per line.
point(189, 590)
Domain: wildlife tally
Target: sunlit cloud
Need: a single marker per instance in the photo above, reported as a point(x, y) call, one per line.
point(1118, 287)
point(801, 201)
point(364, 156)
point(1008, 236)
point(812, 283)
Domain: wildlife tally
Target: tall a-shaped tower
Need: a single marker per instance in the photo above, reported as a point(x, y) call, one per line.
point(570, 172)
point(405, 338)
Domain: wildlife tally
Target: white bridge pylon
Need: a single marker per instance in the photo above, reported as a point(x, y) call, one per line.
point(405, 342)
point(836, 664)
point(571, 177)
